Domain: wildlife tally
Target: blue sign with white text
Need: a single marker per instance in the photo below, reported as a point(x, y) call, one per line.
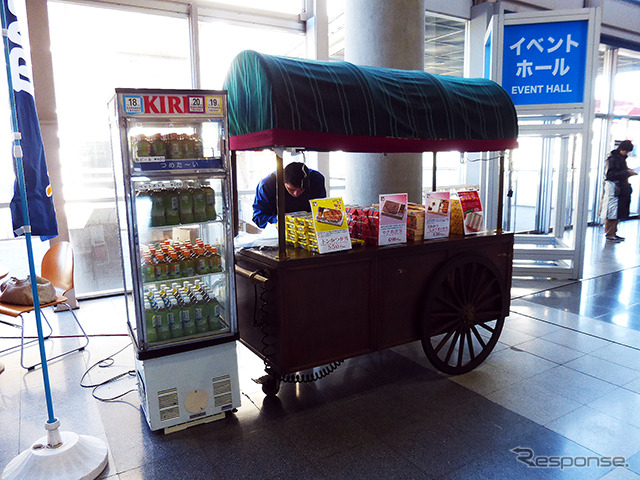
point(545, 63)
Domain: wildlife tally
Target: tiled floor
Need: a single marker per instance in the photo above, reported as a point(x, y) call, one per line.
point(563, 386)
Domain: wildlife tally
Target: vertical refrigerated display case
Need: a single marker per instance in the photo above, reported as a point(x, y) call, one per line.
point(173, 184)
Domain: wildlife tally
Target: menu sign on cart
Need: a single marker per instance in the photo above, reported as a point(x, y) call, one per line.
point(330, 223)
point(437, 215)
point(472, 211)
point(393, 219)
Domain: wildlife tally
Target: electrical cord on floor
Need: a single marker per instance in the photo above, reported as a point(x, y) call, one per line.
point(104, 363)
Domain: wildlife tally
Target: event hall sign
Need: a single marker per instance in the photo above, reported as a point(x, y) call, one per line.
point(545, 63)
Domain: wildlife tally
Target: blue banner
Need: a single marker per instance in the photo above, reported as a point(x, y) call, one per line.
point(42, 215)
point(545, 63)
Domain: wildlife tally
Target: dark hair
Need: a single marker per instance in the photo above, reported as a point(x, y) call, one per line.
point(296, 174)
point(626, 145)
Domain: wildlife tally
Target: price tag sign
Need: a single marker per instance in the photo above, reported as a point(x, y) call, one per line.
point(437, 215)
point(132, 104)
point(393, 219)
point(196, 104)
point(330, 223)
point(214, 105)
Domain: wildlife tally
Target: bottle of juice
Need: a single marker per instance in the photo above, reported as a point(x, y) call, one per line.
point(161, 267)
point(213, 258)
point(188, 146)
point(158, 218)
point(199, 311)
point(199, 203)
point(173, 315)
point(144, 205)
point(186, 312)
point(174, 146)
point(163, 327)
point(158, 147)
point(202, 264)
point(186, 204)
point(171, 198)
point(149, 316)
point(197, 146)
point(141, 146)
point(189, 263)
point(210, 199)
point(175, 265)
point(148, 273)
point(211, 308)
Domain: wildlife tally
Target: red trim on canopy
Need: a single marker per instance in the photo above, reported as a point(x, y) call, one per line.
point(324, 142)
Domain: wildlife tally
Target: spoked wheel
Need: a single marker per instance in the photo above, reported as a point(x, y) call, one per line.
point(464, 314)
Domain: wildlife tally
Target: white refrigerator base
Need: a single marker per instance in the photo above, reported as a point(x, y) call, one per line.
point(189, 388)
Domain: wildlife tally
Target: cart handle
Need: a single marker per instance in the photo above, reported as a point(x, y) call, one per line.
point(254, 277)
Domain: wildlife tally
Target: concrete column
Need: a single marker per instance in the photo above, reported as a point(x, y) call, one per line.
point(384, 33)
point(38, 22)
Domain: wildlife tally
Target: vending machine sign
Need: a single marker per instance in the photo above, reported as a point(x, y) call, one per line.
point(172, 104)
point(330, 223)
point(437, 215)
point(393, 219)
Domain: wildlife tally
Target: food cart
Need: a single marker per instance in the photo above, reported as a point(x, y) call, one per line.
point(299, 310)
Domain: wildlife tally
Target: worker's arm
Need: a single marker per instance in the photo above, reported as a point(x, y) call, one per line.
point(264, 206)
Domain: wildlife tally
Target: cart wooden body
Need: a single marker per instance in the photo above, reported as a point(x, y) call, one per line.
point(317, 309)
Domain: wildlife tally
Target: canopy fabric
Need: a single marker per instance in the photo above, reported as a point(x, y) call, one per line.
point(315, 105)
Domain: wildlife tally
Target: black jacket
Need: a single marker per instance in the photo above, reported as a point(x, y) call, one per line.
point(617, 171)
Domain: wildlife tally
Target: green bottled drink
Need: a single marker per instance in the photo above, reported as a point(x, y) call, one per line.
point(210, 199)
point(149, 316)
point(173, 315)
point(171, 198)
point(186, 205)
point(186, 314)
point(158, 218)
point(161, 321)
point(199, 204)
point(148, 273)
point(200, 314)
point(144, 205)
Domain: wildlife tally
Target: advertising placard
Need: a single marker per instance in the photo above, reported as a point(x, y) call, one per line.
point(545, 62)
point(330, 223)
point(437, 215)
point(473, 219)
point(393, 219)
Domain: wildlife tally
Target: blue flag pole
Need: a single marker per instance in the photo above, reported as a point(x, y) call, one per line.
point(61, 455)
point(17, 153)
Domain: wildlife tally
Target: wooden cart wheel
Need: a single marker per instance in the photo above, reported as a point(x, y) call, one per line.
point(271, 386)
point(464, 314)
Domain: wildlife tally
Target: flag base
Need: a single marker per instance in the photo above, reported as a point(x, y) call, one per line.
point(59, 456)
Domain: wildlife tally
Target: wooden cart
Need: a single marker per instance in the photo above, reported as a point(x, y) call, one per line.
point(299, 310)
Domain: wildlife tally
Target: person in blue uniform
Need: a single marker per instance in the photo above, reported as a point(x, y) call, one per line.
point(301, 185)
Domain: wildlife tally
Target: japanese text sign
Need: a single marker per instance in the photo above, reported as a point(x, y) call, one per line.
point(545, 63)
point(437, 215)
point(330, 224)
point(393, 219)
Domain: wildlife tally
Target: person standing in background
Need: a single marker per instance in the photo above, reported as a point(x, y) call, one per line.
point(616, 196)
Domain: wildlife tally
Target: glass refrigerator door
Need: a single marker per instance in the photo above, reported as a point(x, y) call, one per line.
point(177, 188)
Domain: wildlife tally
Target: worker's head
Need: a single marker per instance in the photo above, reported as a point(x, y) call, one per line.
point(296, 179)
point(625, 147)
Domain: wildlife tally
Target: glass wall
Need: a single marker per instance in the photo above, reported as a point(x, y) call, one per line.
point(617, 118)
point(149, 51)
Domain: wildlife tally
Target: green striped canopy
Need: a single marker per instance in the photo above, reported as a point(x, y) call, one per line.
point(292, 102)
